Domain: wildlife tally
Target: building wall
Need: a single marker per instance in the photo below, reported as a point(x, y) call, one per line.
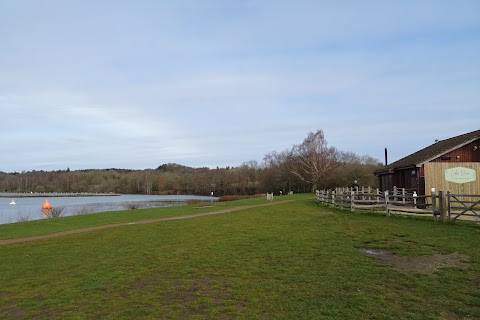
point(435, 178)
point(467, 153)
point(421, 181)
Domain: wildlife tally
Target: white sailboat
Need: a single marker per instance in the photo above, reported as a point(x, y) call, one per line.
point(13, 202)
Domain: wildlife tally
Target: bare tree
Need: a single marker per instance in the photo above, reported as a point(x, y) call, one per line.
point(354, 167)
point(313, 161)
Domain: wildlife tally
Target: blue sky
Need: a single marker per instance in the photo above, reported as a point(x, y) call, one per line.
point(135, 84)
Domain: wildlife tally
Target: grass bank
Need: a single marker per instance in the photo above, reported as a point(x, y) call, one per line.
point(46, 226)
point(292, 260)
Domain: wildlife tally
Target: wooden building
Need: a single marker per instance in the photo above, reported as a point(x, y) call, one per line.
point(449, 165)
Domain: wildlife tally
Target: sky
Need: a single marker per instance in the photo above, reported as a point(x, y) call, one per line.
point(136, 84)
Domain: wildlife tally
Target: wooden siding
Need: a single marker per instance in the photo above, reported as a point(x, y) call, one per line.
point(467, 153)
point(435, 178)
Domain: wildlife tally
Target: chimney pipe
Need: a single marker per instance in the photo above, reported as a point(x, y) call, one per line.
point(386, 157)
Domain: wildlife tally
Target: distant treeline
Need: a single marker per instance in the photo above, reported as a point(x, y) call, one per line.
point(304, 168)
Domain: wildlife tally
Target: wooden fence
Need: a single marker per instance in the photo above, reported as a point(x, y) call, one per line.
point(440, 205)
point(463, 206)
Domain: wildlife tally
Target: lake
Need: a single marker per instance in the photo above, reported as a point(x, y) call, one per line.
point(30, 208)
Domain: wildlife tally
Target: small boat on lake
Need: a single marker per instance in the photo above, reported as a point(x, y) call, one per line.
point(13, 202)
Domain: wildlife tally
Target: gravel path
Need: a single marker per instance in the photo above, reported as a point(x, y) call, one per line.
point(113, 225)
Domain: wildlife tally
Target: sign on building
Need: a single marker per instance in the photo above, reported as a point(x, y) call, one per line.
point(460, 175)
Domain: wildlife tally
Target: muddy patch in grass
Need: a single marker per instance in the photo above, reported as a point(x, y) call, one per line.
point(427, 264)
point(375, 252)
point(10, 309)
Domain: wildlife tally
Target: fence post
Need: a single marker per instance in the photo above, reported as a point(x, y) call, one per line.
point(449, 206)
point(352, 201)
point(434, 205)
point(333, 198)
point(386, 203)
point(403, 196)
point(415, 199)
point(442, 206)
point(341, 199)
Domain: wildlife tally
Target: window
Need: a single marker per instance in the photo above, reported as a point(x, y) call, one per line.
point(411, 180)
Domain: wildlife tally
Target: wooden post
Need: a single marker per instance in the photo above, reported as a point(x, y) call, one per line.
point(449, 208)
point(415, 199)
point(386, 203)
point(378, 198)
point(352, 201)
point(434, 205)
point(442, 206)
point(403, 196)
point(333, 198)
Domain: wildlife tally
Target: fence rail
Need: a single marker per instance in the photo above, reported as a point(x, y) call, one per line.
point(440, 205)
point(463, 205)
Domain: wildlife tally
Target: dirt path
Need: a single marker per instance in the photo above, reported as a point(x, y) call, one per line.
point(113, 225)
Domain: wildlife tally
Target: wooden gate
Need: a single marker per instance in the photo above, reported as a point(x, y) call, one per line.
point(466, 206)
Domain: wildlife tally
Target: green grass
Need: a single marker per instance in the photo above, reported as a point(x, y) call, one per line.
point(292, 260)
point(37, 227)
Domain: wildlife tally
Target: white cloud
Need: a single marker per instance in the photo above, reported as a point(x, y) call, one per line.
point(103, 84)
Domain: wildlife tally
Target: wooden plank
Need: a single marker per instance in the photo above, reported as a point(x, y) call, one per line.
point(366, 207)
point(409, 209)
point(435, 177)
point(368, 201)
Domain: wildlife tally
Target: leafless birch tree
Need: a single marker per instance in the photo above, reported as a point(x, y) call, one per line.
point(313, 161)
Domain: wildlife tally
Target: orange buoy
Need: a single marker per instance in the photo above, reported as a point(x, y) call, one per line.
point(46, 208)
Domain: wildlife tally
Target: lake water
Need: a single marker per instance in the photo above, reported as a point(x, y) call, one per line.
point(30, 208)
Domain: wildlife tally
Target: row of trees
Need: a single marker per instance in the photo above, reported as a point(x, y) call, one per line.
point(306, 167)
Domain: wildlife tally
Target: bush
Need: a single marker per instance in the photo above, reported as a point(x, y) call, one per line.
point(83, 210)
point(23, 217)
point(55, 212)
point(131, 205)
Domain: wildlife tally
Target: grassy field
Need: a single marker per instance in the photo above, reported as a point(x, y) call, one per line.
point(36, 227)
point(291, 260)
